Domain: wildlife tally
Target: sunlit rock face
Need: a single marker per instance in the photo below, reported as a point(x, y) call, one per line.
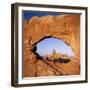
point(64, 27)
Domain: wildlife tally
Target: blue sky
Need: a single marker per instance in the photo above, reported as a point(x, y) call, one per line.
point(29, 14)
point(46, 46)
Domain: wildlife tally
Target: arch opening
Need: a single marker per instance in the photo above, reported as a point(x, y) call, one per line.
point(53, 49)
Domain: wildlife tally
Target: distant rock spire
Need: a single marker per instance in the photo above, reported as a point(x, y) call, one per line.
point(54, 52)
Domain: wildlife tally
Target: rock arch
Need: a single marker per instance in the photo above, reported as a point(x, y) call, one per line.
point(65, 27)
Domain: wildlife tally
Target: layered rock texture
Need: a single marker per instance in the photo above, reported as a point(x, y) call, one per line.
point(65, 27)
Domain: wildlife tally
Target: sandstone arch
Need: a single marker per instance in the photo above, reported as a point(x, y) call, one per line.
point(65, 27)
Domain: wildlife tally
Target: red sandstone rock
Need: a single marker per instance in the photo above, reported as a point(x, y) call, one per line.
point(65, 27)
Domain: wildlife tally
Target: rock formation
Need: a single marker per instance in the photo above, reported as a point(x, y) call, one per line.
point(65, 27)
